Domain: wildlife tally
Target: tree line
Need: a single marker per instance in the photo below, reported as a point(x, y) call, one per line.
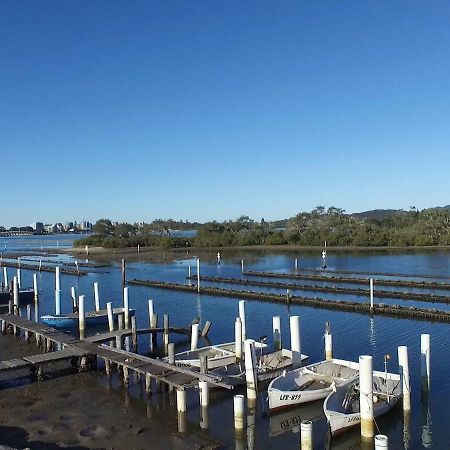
point(404, 228)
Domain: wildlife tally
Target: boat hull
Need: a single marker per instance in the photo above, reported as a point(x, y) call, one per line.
point(62, 321)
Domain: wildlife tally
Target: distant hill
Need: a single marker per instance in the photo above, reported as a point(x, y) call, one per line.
point(377, 214)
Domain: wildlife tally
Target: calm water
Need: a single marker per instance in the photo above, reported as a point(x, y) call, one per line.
point(36, 242)
point(353, 335)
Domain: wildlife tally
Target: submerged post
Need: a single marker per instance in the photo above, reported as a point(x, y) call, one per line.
point(81, 316)
point(96, 297)
point(198, 275)
point(238, 339)
point(242, 317)
point(366, 396)
point(328, 342)
point(404, 373)
point(276, 327)
point(296, 348)
point(371, 295)
point(381, 442)
point(194, 336)
point(250, 371)
point(425, 350)
point(126, 308)
point(306, 435)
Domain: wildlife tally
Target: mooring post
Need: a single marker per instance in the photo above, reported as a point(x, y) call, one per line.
point(171, 353)
point(242, 266)
point(296, 264)
point(16, 296)
point(81, 316)
point(206, 329)
point(242, 317)
point(27, 333)
point(204, 393)
point(198, 275)
point(425, 350)
point(96, 297)
point(189, 275)
point(371, 295)
point(203, 364)
point(381, 442)
point(276, 328)
point(73, 295)
point(181, 409)
point(108, 367)
point(238, 338)
point(166, 331)
point(19, 278)
point(138, 248)
point(194, 336)
point(250, 371)
point(239, 413)
point(148, 384)
point(57, 290)
point(35, 286)
point(57, 278)
point(109, 310)
point(296, 348)
point(126, 376)
point(134, 333)
point(152, 324)
point(11, 307)
point(119, 327)
point(124, 275)
point(5, 276)
point(404, 373)
point(366, 396)
point(328, 337)
point(306, 435)
point(126, 308)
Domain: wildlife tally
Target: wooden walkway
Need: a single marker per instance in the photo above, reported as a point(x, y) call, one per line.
point(151, 368)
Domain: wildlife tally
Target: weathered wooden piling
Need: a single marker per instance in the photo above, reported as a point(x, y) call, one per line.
point(35, 286)
point(81, 316)
point(250, 371)
point(96, 297)
point(194, 336)
point(238, 338)
point(166, 331)
point(206, 329)
point(425, 355)
point(276, 327)
point(328, 342)
point(366, 396)
point(124, 275)
point(381, 442)
point(181, 409)
point(171, 353)
point(16, 296)
point(203, 364)
point(242, 317)
point(126, 308)
point(134, 337)
point(27, 333)
point(204, 393)
point(296, 348)
point(306, 435)
point(404, 373)
point(19, 278)
point(5, 276)
point(119, 327)
point(73, 295)
point(109, 310)
point(239, 413)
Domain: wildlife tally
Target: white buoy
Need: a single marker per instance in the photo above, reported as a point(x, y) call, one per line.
point(109, 309)
point(81, 316)
point(296, 348)
point(366, 396)
point(5, 276)
point(194, 337)
point(57, 279)
point(425, 350)
point(404, 372)
point(16, 296)
point(381, 442)
point(306, 435)
point(328, 343)
point(238, 338)
point(198, 274)
point(371, 294)
point(96, 297)
point(35, 286)
point(57, 302)
point(239, 417)
point(126, 308)
point(19, 278)
point(276, 327)
point(250, 370)
point(204, 393)
point(242, 317)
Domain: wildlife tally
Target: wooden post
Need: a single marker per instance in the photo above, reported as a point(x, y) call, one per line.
point(148, 384)
point(81, 316)
point(73, 295)
point(206, 329)
point(126, 308)
point(120, 327)
point(239, 417)
point(124, 275)
point(381, 442)
point(250, 371)
point(276, 327)
point(328, 342)
point(194, 337)
point(166, 331)
point(19, 277)
point(57, 278)
point(198, 275)
point(238, 338)
point(109, 309)
point(296, 349)
point(366, 396)
point(242, 317)
point(404, 373)
point(371, 295)
point(425, 350)
point(203, 364)
point(16, 296)
point(296, 264)
point(181, 408)
point(204, 394)
point(189, 275)
point(35, 287)
point(134, 333)
point(96, 297)
point(27, 333)
point(306, 435)
point(58, 302)
point(171, 353)
point(242, 266)
point(5, 276)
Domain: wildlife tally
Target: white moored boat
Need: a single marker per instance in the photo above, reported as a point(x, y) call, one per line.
point(342, 406)
point(219, 355)
point(309, 383)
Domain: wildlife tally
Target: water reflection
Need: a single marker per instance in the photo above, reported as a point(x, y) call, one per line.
point(427, 433)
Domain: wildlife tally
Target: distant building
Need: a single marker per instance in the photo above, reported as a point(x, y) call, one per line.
point(37, 226)
point(86, 226)
point(48, 228)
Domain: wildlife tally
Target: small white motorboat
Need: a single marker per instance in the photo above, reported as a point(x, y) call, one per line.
point(309, 383)
point(219, 355)
point(342, 407)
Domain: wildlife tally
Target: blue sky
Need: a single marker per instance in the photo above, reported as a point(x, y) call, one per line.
point(212, 109)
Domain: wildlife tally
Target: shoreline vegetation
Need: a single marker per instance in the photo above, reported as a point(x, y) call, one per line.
point(429, 228)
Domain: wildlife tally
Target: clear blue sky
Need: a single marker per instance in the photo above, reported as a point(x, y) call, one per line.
point(136, 110)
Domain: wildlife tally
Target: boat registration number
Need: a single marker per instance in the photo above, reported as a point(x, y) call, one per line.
point(291, 397)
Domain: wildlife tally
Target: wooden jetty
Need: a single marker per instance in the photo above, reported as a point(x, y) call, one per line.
point(41, 268)
point(431, 298)
point(431, 314)
point(349, 280)
point(71, 347)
